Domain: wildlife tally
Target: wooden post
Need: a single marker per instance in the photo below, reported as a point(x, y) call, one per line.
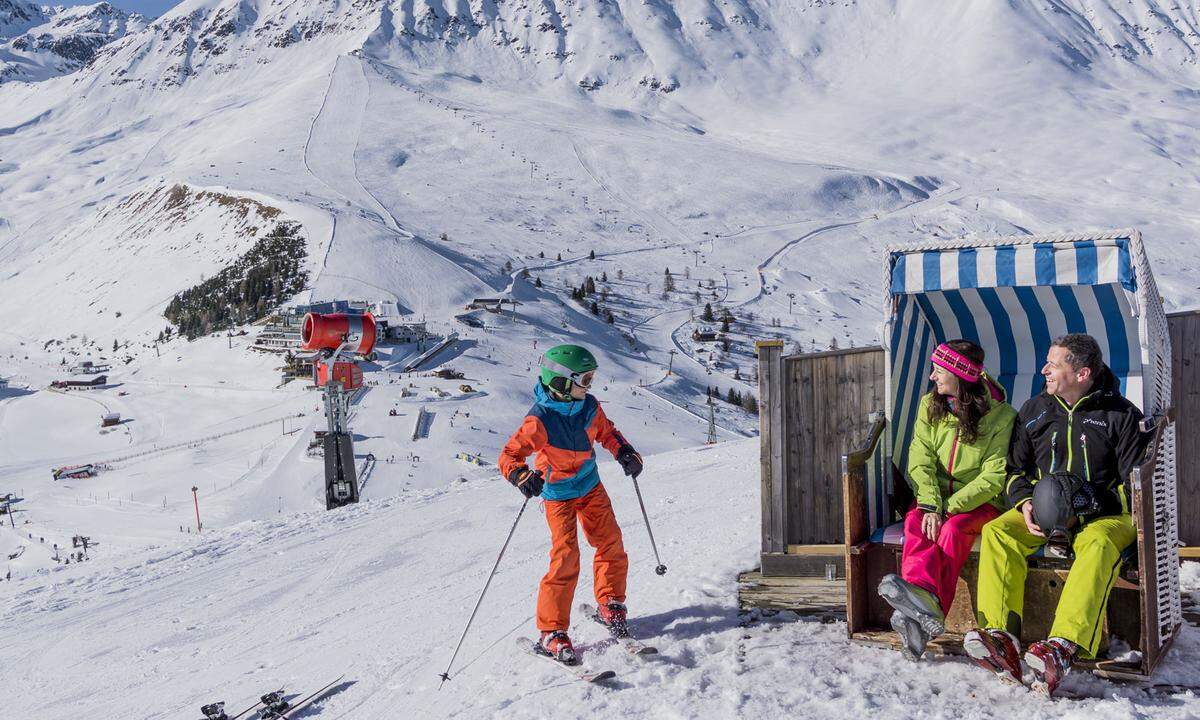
point(772, 441)
point(196, 499)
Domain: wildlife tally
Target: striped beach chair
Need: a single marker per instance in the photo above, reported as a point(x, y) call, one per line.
point(1012, 296)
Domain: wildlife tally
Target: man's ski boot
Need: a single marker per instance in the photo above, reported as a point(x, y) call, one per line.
point(1050, 660)
point(995, 651)
point(914, 602)
point(556, 644)
point(612, 615)
point(912, 636)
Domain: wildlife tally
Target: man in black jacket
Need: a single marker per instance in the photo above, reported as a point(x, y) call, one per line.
point(1084, 435)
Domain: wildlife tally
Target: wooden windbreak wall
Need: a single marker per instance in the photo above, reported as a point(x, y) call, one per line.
point(1185, 394)
point(813, 409)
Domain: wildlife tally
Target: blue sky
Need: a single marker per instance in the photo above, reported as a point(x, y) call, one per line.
point(153, 8)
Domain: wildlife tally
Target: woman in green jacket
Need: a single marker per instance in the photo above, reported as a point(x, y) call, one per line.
point(957, 466)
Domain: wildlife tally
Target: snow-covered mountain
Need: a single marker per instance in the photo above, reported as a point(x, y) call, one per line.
point(751, 155)
point(39, 42)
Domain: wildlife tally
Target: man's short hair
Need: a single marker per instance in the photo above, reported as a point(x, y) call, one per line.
point(1082, 351)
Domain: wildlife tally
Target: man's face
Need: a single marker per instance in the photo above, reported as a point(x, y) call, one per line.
point(1061, 378)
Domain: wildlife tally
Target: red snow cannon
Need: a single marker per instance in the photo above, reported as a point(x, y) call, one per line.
point(327, 331)
point(347, 373)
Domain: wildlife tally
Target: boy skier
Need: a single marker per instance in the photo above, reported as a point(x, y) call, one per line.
point(561, 427)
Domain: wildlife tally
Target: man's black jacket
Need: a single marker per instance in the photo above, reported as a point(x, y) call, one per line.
point(1100, 440)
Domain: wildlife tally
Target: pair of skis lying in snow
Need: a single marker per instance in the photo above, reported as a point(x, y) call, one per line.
point(621, 637)
point(271, 706)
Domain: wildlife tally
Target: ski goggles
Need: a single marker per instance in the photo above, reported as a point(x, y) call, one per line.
point(582, 379)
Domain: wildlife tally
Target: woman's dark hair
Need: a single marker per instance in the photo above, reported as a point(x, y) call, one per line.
point(972, 402)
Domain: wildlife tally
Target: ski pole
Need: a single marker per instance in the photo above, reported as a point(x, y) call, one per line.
point(446, 675)
point(660, 568)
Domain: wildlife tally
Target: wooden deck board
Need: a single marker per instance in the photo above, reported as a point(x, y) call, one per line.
point(803, 595)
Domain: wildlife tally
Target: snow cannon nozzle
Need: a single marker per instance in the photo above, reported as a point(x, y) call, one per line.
point(661, 570)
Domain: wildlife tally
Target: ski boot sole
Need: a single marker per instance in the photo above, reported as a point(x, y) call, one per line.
point(911, 636)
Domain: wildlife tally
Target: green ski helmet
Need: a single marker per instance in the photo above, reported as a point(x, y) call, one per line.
point(565, 364)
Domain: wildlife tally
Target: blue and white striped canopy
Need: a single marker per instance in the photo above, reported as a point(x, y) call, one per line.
point(1012, 296)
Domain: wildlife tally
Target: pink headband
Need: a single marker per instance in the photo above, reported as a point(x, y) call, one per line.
point(956, 363)
point(964, 368)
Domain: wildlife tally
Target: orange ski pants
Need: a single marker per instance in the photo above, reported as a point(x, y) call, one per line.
point(610, 566)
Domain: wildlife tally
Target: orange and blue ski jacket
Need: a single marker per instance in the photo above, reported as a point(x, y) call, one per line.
point(563, 434)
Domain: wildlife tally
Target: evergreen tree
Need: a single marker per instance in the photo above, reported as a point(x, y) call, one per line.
point(668, 283)
point(708, 313)
point(725, 323)
point(732, 397)
point(594, 308)
point(541, 253)
point(559, 257)
point(750, 403)
point(589, 285)
point(608, 317)
point(591, 254)
point(537, 281)
point(603, 276)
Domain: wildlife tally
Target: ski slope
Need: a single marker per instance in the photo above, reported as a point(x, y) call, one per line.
point(379, 591)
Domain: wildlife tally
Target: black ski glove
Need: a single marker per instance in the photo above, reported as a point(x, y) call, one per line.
point(630, 461)
point(529, 482)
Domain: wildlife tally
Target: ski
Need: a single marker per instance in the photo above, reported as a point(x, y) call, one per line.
point(279, 709)
point(630, 644)
point(577, 671)
point(216, 711)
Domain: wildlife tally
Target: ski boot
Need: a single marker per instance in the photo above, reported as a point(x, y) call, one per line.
point(995, 651)
point(214, 711)
point(914, 602)
point(612, 616)
point(913, 638)
point(1050, 660)
point(556, 644)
